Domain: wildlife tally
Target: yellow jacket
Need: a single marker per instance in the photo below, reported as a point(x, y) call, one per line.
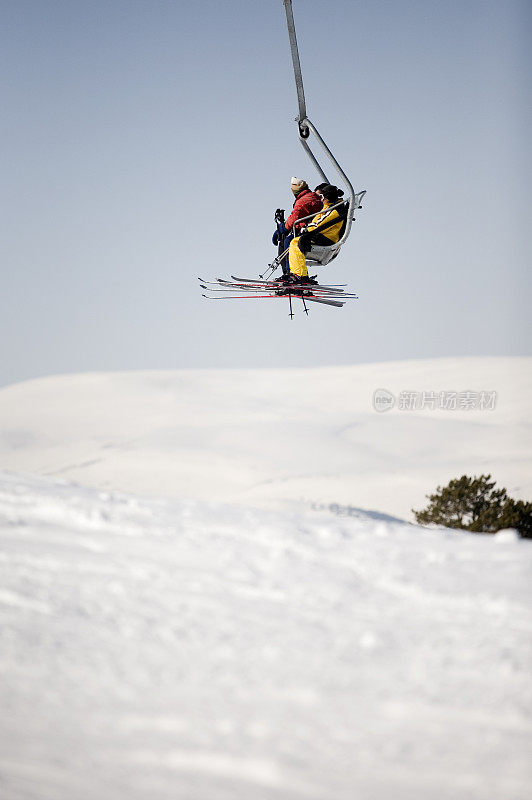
point(332, 233)
point(296, 259)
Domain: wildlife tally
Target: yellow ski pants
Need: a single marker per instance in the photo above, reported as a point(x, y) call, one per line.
point(296, 259)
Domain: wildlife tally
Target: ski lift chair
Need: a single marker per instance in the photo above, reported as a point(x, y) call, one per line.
point(320, 255)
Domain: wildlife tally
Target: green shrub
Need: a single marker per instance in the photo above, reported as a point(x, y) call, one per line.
point(474, 504)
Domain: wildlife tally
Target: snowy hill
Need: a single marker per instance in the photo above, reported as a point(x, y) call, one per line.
point(162, 649)
point(275, 438)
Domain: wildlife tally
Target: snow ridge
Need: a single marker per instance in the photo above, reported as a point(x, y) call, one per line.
point(274, 438)
point(157, 648)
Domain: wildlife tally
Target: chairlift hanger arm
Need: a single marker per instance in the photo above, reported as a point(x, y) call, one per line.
point(305, 126)
point(303, 129)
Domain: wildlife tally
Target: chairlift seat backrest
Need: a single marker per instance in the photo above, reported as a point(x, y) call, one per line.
point(320, 255)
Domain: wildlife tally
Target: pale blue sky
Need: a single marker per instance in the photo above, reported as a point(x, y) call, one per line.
point(147, 143)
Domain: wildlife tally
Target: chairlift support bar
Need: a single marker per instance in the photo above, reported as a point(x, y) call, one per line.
point(305, 126)
point(303, 129)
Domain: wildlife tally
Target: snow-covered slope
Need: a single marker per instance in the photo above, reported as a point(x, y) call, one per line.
point(162, 649)
point(261, 437)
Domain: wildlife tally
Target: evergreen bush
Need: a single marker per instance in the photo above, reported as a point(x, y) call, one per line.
point(474, 504)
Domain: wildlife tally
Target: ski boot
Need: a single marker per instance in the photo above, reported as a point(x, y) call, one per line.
point(288, 284)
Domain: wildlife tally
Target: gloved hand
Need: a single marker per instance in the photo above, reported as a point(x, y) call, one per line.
point(279, 234)
point(305, 242)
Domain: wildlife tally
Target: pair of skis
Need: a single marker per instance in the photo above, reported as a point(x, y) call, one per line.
point(254, 289)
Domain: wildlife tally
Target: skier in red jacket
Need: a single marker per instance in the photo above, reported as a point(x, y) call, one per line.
point(306, 203)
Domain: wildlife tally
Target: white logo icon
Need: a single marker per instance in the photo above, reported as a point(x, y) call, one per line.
point(383, 400)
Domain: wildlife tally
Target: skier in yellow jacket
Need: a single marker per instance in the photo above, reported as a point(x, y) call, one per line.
point(331, 232)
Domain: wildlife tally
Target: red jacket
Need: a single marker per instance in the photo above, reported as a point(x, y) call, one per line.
point(306, 203)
